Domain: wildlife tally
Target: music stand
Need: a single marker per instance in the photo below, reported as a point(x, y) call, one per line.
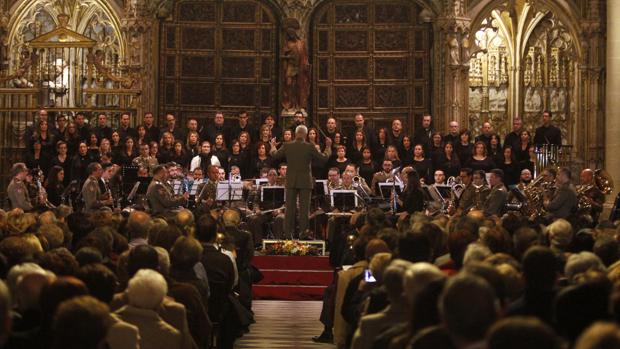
point(320, 187)
point(386, 190)
point(261, 181)
point(445, 191)
point(520, 195)
point(229, 191)
point(344, 200)
point(273, 195)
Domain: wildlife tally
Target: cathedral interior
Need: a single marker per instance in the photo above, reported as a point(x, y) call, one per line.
point(467, 60)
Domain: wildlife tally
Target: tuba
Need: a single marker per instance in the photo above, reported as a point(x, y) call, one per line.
point(602, 181)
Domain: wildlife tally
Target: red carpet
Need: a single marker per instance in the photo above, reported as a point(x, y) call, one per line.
point(292, 277)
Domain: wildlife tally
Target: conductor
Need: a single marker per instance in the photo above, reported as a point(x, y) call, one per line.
point(299, 155)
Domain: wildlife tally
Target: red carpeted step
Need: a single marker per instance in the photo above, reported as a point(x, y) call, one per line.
point(293, 278)
point(292, 293)
point(291, 262)
point(296, 277)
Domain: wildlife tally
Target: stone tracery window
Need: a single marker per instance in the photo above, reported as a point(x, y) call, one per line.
point(488, 76)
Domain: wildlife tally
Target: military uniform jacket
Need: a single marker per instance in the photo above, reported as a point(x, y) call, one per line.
point(299, 155)
point(495, 202)
point(378, 177)
point(209, 191)
point(161, 198)
point(91, 193)
point(468, 198)
point(564, 201)
point(18, 194)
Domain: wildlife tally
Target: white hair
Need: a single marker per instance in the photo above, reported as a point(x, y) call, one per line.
point(19, 270)
point(163, 260)
point(581, 262)
point(476, 252)
point(147, 289)
point(418, 276)
point(393, 277)
point(301, 129)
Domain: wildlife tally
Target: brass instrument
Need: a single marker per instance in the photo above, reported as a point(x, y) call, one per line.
point(534, 192)
point(457, 189)
point(584, 205)
point(602, 181)
point(478, 202)
point(43, 201)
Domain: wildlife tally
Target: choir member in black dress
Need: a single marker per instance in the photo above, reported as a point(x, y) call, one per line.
point(479, 160)
point(261, 160)
point(63, 160)
point(378, 150)
point(239, 159)
point(54, 185)
point(36, 158)
point(79, 163)
point(448, 161)
point(510, 167)
point(522, 151)
point(126, 155)
point(422, 165)
point(354, 152)
point(341, 161)
point(495, 150)
point(367, 167)
point(192, 143)
point(406, 151)
point(221, 152)
point(464, 148)
point(391, 153)
point(181, 156)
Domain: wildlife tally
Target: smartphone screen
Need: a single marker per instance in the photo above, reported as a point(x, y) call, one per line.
point(368, 278)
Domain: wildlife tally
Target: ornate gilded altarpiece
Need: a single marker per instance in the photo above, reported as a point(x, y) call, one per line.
point(371, 57)
point(219, 55)
point(525, 63)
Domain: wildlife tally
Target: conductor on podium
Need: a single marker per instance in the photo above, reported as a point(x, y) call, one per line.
point(299, 155)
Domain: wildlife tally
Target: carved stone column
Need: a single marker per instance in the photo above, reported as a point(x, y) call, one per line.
point(589, 144)
point(453, 43)
point(612, 102)
point(139, 27)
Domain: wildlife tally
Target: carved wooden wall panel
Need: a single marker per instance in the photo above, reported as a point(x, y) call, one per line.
point(219, 56)
point(370, 57)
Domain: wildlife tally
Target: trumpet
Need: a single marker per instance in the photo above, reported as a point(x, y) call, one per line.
point(357, 179)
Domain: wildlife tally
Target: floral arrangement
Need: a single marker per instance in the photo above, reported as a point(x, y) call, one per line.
point(290, 248)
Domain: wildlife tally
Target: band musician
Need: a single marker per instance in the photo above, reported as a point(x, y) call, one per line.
point(481, 191)
point(160, 196)
point(267, 215)
point(17, 190)
point(591, 198)
point(94, 198)
point(498, 196)
point(299, 155)
point(206, 193)
point(468, 196)
point(381, 177)
point(563, 203)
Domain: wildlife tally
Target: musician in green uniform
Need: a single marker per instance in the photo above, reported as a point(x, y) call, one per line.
point(17, 191)
point(160, 196)
point(94, 198)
